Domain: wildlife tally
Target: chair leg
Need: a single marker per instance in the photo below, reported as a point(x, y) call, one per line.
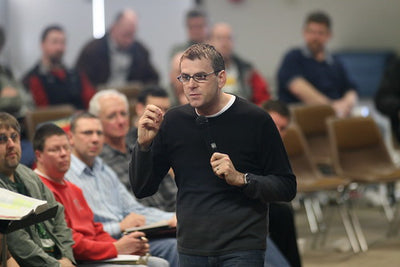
point(312, 221)
point(385, 202)
point(344, 213)
point(318, 214)
point(347, 202)
point(357, 228)
point(328, 215)
point(394, 223)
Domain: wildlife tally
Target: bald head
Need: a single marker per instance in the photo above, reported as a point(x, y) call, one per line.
point(124, 28)
point(222, 39)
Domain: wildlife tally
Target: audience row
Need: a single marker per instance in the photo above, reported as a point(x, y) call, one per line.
point(309, 74)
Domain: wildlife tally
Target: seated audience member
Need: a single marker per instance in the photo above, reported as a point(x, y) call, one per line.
point(282, 227)
point(13, 98)
point(92, 243)
point(48, 243)
point(242, 79)
point(118, 58)
point(112, 109)
point(15, 101)
point(279, 113)
point(179, 97)
point(387, 99)
point(112, 204)
point(311, 75)
point(50, 82)
point(197, 30)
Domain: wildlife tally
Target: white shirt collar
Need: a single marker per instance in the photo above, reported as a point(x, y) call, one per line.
point(225, 108)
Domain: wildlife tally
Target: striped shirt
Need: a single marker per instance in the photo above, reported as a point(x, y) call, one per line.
point(108, 197)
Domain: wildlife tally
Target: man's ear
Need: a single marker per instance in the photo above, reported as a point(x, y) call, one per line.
point(221, 79)
point(70, 139)
point(38, 155)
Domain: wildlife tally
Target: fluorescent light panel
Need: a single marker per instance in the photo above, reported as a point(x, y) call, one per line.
point(98, 18)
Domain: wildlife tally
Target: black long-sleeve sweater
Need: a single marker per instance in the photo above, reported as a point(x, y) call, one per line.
point(214, 217)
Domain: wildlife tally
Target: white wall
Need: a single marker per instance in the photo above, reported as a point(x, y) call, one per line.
point(266, 29)
point(160, 26)
point(27, 19)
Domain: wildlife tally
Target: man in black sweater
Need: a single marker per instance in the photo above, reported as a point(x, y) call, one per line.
point(229, 163)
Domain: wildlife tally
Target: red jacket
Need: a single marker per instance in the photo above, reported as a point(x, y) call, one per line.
point(91, 241)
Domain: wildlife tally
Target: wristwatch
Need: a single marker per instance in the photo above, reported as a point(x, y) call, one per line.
point(246, 178)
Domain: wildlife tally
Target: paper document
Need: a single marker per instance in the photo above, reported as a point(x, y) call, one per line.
point(14, 206)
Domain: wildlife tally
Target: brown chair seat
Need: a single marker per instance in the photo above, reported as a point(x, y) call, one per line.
point(321, 184)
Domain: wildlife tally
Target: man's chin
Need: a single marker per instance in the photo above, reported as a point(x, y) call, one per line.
point(12, 165)
point(315, 48)
point(56, 60)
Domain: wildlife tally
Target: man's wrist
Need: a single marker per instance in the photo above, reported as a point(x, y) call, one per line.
point(245, 179)
point(144, 147)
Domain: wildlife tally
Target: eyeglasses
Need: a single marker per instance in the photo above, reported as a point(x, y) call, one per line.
point(197, 77)
point(115, 115)
point(91, 132)
point(4, 138)
point(59, 149)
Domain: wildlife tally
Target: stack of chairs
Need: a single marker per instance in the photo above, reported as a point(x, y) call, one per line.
point(360, 154)
point(310, 182)
point(353, 152)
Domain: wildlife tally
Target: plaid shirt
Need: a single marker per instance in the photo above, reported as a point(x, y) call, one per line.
point(164, 199)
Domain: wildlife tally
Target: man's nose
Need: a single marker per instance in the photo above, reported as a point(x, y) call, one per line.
point(121, 118)
point(192, 82)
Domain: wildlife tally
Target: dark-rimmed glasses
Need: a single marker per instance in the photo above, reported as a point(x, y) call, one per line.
point(4, 138)
point(197, 77)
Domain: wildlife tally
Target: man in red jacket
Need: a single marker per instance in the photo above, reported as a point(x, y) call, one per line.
point(92, 243)
point(50, 82)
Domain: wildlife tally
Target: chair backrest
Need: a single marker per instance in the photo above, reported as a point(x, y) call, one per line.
point(131, 90)
point(357, 145)
point(311, 120)
point(51, 113)
point(299, 155)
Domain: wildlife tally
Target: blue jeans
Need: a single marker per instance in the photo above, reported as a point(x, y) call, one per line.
point(273, 256)
point(165, 248)
point(254, 258)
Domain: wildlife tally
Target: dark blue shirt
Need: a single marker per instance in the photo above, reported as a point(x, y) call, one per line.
point(328, 76)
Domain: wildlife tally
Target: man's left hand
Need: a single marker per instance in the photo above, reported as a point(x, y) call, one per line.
point(172, 222)
point(224, 169)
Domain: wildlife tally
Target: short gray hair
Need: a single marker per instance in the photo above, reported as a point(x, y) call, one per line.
point(94, 104)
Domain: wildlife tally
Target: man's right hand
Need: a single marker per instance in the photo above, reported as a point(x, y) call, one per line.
point(65, 262)
point(8, 92)
point(149, 125)
point(132, 220)
point(133, 243)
